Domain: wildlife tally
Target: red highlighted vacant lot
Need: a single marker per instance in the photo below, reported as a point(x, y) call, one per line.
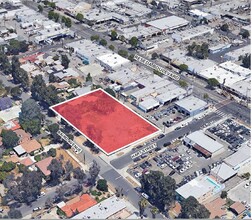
point(104, 120)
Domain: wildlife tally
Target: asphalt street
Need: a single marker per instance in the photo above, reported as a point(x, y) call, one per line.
point(50, 193)
point(193, 126)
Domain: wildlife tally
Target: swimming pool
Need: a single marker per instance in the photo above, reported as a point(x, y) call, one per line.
point(217, 187)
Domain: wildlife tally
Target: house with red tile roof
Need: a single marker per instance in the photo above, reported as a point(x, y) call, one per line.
point(237, 208)
point(217, 208)
point(23, 136)
point(27, 161)
point(78, 205)
point(43, 164)
point(31, 146)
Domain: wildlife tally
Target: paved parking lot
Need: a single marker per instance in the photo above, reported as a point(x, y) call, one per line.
point(240, 193)
point(231, 132)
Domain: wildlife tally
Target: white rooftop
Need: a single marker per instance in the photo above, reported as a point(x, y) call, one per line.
point(191, 103)
point(223, 171)
point(11, 113)
point(168, 23)
point(149, 103)
point(113, 60)
point(103, 210)
point(199, 13)
point(204, 141)
point(235, 54)
point(235, 68)
point(19, 150)
point(243, 154)
point(197, 187)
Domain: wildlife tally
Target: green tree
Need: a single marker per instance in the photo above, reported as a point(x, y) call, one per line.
point(15, 47)
point(183, 83)
point(95, 38)
point(68, 22)
point(89, 78)
point(183, 67)
point(224, 27)
point(52, 152)
point(154, 3)
point(113, 35)
point(110, 91)
point(63, 19)
point(19, 75)
point(79, 174)
point(16, 92)
point(27, 188)
point(111, 47)
point(52, 5)
point(65, 61)
point(133, 42)
point(30, 117)
point(52, 78)
point(131, 57)
point(79, 17)
point(3, 176)
point(123, 53)
point(160, 188)
point(154, 56)
point(15, 214)
point(5, 64)
point(56, 17)
point(9, 138)
point(154, 211)
point(51, 15)
point(191, 208)
point(205, 96)
point(223, 194)
point(56, 170)
point(38, 88)
point(40, 8)
point(246, 61)
point(103, 42)
point(245, 34)
point(102, 185)
point(7, 167)
point(156, 72)
point(142, 206)
point(94, 172)
point(122, 38)
point(212, 82)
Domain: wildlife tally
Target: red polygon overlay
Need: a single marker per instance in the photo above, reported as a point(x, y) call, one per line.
point(104, 120)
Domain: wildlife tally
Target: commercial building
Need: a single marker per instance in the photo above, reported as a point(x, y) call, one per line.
point(104, 209)
point(223, 172)
point(239, 158)
point(191, 105)
point(112, 61)
point(180, 36)
point(219, 48)
point(148, 104)
point(235, 54)
point(202, 188)
point(87, 51)
point(204, 144)
point(167, 24)
point(196, 13)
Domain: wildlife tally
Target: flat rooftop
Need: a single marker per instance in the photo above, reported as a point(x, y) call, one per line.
point(106, 122)
point(198, 187)
point(103, 210)
point(204, 141)
point(191, 103)
point(168, 23)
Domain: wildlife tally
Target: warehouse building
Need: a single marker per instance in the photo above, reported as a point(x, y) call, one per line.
point(239, 158)
point(192, 33)
point(219, 48)
point(167, 24)
point(204, 144)
point(191, 105)
point(148, 104)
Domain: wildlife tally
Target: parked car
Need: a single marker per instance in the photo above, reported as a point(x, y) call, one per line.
point(145, 196)
point(37, 209)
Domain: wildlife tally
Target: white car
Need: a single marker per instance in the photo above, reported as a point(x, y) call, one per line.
point(137, 174)
point(145, 196)
point(246, 185)
point(37, 209)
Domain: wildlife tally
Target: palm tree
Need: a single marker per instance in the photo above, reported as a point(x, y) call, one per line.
point(154, 210)
point(142, 205)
